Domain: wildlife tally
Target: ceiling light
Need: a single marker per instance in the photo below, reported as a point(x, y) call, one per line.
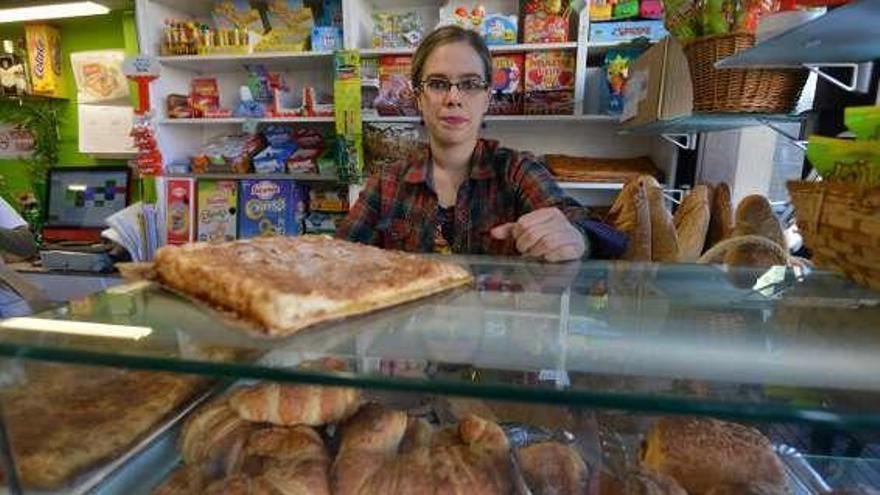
point(77, 328)
point(52, 11)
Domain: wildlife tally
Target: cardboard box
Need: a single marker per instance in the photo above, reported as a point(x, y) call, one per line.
point(44, 58)
point(659, 87)
point(611, 32)
point(270, 207)
point(218, 201)
point(507, 84)
point(181, 210)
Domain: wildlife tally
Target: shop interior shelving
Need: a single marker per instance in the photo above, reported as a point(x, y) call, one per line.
point(682, 131)
point(232, 176)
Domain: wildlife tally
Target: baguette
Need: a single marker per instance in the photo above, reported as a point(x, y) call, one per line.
point(631, 215)
point(692, 223)
point(664, 239)
point(720, 217)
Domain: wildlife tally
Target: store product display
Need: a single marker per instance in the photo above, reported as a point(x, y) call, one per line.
point(692, 223)
point(389, 143)
point(287, 405)
point(589, 169)
point(549, 82)
point(213, 439)
point(65, 419)
point(396, 94)
point(397, 30)
point(270, 282)
point(507, 84)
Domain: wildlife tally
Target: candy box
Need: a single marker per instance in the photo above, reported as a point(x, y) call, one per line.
point(273, 159)
point(290, 25)
point(44, 58)
point(560, 102)
point(204, 96)
point(507, 84)
point(303, 161)
point(396, 95)
point(499, 29)
point(549, 70)
point(217, 208)
point(541, 27)
point(322, 223)
point(326, 38)
point(270, 207)
point(181, 210)
point(605, 32)
point(330, 200)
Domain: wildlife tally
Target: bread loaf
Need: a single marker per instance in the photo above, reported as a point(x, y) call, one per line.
point(631, 215)
point(553, 468)
point(754, 216)
point(213, 437)
point(287, 405)
point(701, 453)
point(664, 239)
point(691, 223)
point(720, 216)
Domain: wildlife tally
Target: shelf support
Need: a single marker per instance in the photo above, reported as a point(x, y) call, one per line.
point(799, 143)
point(854, 77)
point(689, 143)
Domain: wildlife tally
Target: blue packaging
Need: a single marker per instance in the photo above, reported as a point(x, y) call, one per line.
point(499, 29)
point(326, 38)
point(270, 207)
point(273, 159)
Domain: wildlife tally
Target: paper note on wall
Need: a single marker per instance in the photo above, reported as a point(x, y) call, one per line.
point(105, 129)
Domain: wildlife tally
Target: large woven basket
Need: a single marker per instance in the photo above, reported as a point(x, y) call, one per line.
point(840, 223)
point(739, 90)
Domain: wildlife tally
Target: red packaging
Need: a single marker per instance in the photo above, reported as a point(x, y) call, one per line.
point(396, 95)
point(180, 210)
point(507, 84)
point(549, 82)
point(204, 96)
point(541, 27)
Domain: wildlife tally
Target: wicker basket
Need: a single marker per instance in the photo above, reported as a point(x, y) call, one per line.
point(841, 224)
point(739, 90)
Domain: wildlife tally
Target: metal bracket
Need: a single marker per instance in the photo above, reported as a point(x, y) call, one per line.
point(674, 195)
point(690, 140)
point(854, 78)
point(800, 143)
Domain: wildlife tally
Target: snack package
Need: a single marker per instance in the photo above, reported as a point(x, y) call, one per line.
point(625, 9)
point(273, 159)
point(227, 154)
point(204, 96)
point(290, 26)
point(864, 122)
point(600, 12)
point(303, 161)
point(617, 72)
point(44, 60)
point(270, 207)
point(329, 200)
point(322, 223)
point(236, 14)
point(181, 210)
point(277, 135)
point(499, 29)
point(217, 210)
point(326, 38)
point(308, 138)
point(331, 14)
point(846, 160)
point(541, 27)
point(389, 143)
point(99, 76)
point(507, 84)
point(549, 83)
point(397, 30)
point(396, 95)
point(178, 107)
point(651, 9)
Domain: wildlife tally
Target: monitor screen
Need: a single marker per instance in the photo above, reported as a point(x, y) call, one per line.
point(85, 197)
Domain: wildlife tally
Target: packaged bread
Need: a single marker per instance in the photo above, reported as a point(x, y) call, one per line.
point(692, 223)
point(631, 215)
point(754, 216)
point(702, 453)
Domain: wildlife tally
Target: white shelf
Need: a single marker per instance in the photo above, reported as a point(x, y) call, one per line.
point(512, 118)
point(231, 63)
point(522, 47)
point(591, 186)
point(242, 120)
point(232, 176)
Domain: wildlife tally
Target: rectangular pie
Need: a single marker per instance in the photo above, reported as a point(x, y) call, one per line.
point(285, 284)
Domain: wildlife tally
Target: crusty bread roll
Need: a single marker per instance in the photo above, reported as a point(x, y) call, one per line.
point(553, 468)
point(664, 239)
point(213, 437)
point(287, 404)
point(720, 215)
point(747, 489)
point(691, 223)
point(294, 460)
point(754, 216)
point(701, 453)
point(640, 481)
point(631, 215)
point(185, 480)
point(749, 250)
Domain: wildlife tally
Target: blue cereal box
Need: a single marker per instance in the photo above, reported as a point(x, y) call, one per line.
point(270, 207)
point(605, 32)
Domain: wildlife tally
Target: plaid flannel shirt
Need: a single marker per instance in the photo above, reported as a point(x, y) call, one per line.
point(398, 207)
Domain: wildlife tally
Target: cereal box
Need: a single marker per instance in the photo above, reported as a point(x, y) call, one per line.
point(396, 95)
point(180, 210)
point(218, 203)
point(550, 70)
point(44, 56)
point(270, 207)
point(507, 84)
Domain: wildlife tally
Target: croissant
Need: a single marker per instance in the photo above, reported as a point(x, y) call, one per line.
point(293, 460)
point(287, 405)
point(214, 437)
point(552, 467)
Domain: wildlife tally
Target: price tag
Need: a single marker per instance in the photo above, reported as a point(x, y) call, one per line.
point(141, 66)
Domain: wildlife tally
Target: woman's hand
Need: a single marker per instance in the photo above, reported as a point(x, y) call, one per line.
point(545, 234)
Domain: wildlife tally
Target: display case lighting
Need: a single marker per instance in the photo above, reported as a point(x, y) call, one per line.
point(76, 328)
point(52, 11)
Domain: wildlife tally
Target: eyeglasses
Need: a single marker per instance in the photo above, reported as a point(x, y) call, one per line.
point(438, 86)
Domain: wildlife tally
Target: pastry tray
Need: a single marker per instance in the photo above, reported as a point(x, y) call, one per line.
point(96, 479)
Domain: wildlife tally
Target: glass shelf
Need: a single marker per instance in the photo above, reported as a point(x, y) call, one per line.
point(847, 34)
point(642, 337)
point(709, 122)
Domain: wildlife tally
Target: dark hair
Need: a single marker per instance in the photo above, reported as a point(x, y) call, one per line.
point(444, 36)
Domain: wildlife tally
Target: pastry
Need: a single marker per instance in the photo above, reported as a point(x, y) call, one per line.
point(631, 215)
point(185, 480)
point(720, 216)
point(292, 460)
point(586, 169)
point(692, 223)
point(553, 468)
point(294, 404)
point(664, 238)
point(701, 453)
point(240, 484)
point(754, 216)
point(639, 482)
point(285, 284)
point(747, 489)
point(214, 437)
point(66, 419)
point(543, 415)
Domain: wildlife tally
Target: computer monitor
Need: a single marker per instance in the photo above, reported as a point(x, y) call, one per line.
point(81, 198)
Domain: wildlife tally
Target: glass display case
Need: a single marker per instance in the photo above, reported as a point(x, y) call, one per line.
point(592, 356)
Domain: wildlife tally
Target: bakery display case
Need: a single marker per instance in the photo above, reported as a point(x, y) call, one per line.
point(594, 377)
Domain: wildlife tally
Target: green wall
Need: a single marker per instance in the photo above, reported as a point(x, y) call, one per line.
point(115, 30)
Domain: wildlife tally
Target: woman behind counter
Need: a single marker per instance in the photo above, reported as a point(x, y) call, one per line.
point(465, 194)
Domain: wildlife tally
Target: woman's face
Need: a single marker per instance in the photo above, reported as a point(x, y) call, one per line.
point(454, 116)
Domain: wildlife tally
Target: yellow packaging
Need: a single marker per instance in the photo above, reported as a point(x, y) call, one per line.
point(44, 55)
